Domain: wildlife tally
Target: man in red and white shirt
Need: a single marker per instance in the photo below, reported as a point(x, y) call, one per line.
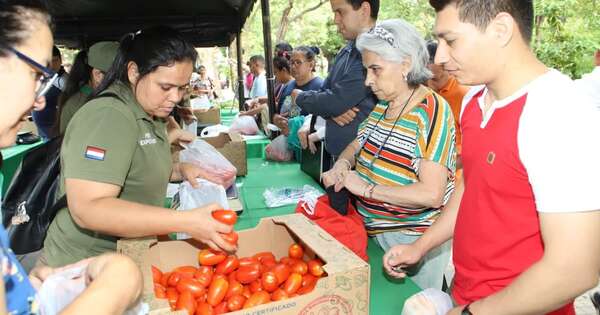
point(525, 218)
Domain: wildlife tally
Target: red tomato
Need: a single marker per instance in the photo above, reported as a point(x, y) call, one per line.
point(204, 309)
point(287, 260)
point(268, 263)
point(186, 302)
point(292, 284)
point(204, 275)
point(282, 272)
point(174, 279)
point(219, 276)
point(235, 288)
point(307, 289)
point(236, 302)
point(192, 285)
point(225, 216)
point(159, 291)
point(164, 281)
point(269, 281)
point(300, 267)
point(257, 298)
point(232, 276)
point(228, 265)
point(216, 291)
point(263, 255)
point(231, 237)
point(201, 299)
point(315, 267)
point(221, 308)
point(188, 271)
point(156, 274)
point(247, 293)
point(209, 257)
point(256, 286)
point(308, 279)
point(296, 251)
point(247, 274)
point(279, 295)
point(172, 295)
point(248, 261)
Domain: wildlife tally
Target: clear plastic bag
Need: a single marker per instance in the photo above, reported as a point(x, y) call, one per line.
point(245, 125)
point(428, 302)
point(205, 194)
point(216, 168)
point(277, 197)
point(278, 150)
point(62, 288)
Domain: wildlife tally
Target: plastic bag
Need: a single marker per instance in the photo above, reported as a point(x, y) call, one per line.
point(205, 194)
point(216, 168)
point(193, 127)
point(60, 289)
point(245, 125)
point(277, 197)
point(213, 131)
point(278, 150)
point(428, 302)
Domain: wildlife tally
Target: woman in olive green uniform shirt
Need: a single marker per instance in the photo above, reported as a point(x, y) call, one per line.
point(88, 71)
point(115, 157)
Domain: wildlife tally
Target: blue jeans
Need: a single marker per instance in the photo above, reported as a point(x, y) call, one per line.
point(431, 273)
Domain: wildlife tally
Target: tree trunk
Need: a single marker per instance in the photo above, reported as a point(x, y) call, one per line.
point(286, 20)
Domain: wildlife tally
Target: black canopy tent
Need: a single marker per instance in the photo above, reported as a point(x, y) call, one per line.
point(205, 23)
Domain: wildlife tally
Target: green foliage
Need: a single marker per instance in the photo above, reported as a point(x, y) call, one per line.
point(567, 32)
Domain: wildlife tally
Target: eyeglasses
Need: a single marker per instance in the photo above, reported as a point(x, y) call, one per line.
point(46, 76)
point(296, 62)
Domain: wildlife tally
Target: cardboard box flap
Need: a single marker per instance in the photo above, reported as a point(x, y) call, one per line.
point(337, 256)
point(236, 136)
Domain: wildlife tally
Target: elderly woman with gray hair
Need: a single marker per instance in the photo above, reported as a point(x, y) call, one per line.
point(401, 166)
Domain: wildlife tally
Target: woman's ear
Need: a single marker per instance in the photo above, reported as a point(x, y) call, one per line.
point(132, 72)
point(406, 67)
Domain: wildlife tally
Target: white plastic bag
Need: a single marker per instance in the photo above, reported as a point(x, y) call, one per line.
point(60, 289)
point(278, 150)
point(201, 102)
point(277, 197)
point(193, 127)
point(205, 194)
point(428, 302)
point(213, 131)
point(216, 168)
point(245, 125)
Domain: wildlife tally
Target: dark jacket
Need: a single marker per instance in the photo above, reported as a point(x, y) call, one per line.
point(343, 89)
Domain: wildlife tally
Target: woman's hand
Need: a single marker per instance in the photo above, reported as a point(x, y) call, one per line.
point(39, 274)
point(355, 184)
point(303, 137)
point(335, 176)
point(312, 139)
point(204, 228)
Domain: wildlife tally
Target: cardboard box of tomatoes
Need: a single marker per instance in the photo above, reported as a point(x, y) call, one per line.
point(285, 265)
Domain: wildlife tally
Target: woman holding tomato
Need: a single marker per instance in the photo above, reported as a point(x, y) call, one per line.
point(25, 48)
point(116, 155)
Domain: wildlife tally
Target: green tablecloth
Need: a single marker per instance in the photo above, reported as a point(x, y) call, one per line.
point(11, 159)
point(387, 296)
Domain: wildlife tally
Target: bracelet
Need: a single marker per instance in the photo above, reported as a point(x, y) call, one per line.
point(371, 190)
point(347, 162)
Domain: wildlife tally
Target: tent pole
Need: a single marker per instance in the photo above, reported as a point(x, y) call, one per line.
point(238, 46)
point(266, 21)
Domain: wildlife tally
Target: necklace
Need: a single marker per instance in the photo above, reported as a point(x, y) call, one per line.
point(378, 152)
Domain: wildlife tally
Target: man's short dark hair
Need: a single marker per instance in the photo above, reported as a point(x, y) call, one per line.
point(374, 4)
point(481, 12)
point(257, 58)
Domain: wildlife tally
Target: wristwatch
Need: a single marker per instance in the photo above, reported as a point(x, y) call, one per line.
point(466, 310)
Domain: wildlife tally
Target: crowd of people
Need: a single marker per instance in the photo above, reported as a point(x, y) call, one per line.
point(446, 148)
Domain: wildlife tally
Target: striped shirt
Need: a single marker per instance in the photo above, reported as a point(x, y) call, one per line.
point(425, 132)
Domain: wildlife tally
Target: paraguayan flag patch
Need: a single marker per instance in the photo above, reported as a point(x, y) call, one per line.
point(94, 153)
